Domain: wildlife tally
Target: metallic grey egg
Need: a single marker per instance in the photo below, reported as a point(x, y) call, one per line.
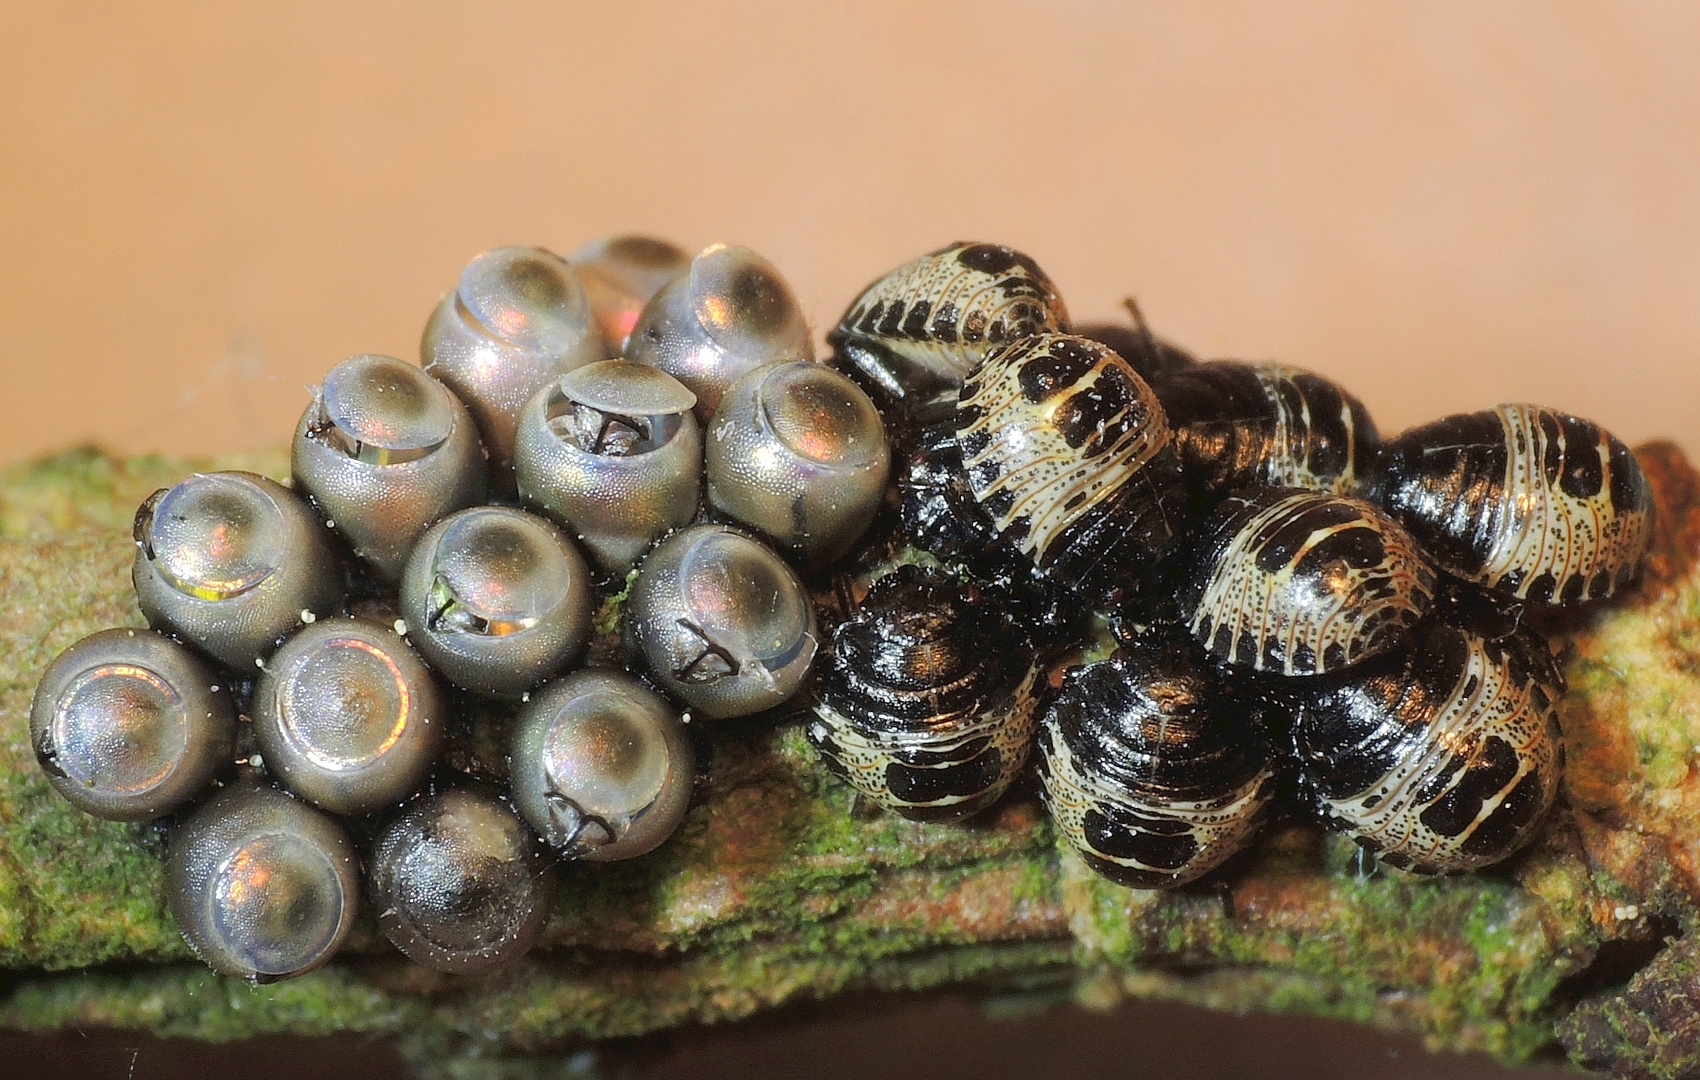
point(798, 451)
point(517, 320)
point(600, 766)
point(613, 452)
point(348, 717)
point(129, 725)
point(458, 882)
point(230, 561)
point(386, 450)
point(263, 887)
point(721, 622)
point(497, 600)
point(620, 274)
point(731, 314)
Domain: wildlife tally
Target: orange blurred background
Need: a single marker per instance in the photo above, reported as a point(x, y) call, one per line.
point(1444, 205)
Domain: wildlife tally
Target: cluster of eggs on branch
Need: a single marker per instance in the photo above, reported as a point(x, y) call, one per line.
point(329, 661)
point(913, 546)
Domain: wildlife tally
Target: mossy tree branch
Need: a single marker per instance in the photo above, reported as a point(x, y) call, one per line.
point(774, 890)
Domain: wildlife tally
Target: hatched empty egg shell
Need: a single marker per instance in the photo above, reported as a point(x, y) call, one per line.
point(798, 451)
point(620, 274)
point(613, 452)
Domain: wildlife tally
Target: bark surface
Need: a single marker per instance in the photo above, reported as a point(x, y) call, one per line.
point(774, 890)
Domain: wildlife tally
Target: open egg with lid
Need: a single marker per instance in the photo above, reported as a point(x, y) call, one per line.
point(613, 452)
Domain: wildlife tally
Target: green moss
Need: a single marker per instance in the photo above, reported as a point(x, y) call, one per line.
point(779, 888)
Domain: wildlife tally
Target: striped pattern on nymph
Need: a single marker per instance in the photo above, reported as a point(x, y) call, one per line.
point(1523, 500)
point(1049, 428)
point(1239, 424)
point(1443, 759)
point(930, 699)
point(1564, 522)
point(938, 316)
point(1151, 768)
point(958, 765)
point(1303, 582)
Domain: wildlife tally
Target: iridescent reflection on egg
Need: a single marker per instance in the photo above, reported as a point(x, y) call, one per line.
point(600, 766)
point(614, 453)
point(497, 600)
point(348, 717)
point(732, 313)
point(229, 561)
point(263, 887)
point(386, 450)
point(798, 451)
point(620, 274)
point(129, 725)
point(517, 320)
point(721, 622)
point(458, 882)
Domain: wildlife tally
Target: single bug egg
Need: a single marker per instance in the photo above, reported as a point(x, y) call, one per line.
point(1302, 582)
point(1152, 767)
point(722, 623)
point(930, 700)
point(1443, 755)
point(385, 450)
point(620, 274)
point(600, 766)
point(1239, 425)
point(1522, 500)
point(915, 333)
point(613, 452)
point(458, 883)
point(348, 717)
point(730, 314)
point(229, 561)
point(129, 725)
point(497, 600)
point(798, 451)
point(517, 320)
point(1067, 451)
point(263, 887)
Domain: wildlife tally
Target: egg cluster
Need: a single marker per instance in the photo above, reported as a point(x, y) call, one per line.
point(966, 494)
point(383, 665)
